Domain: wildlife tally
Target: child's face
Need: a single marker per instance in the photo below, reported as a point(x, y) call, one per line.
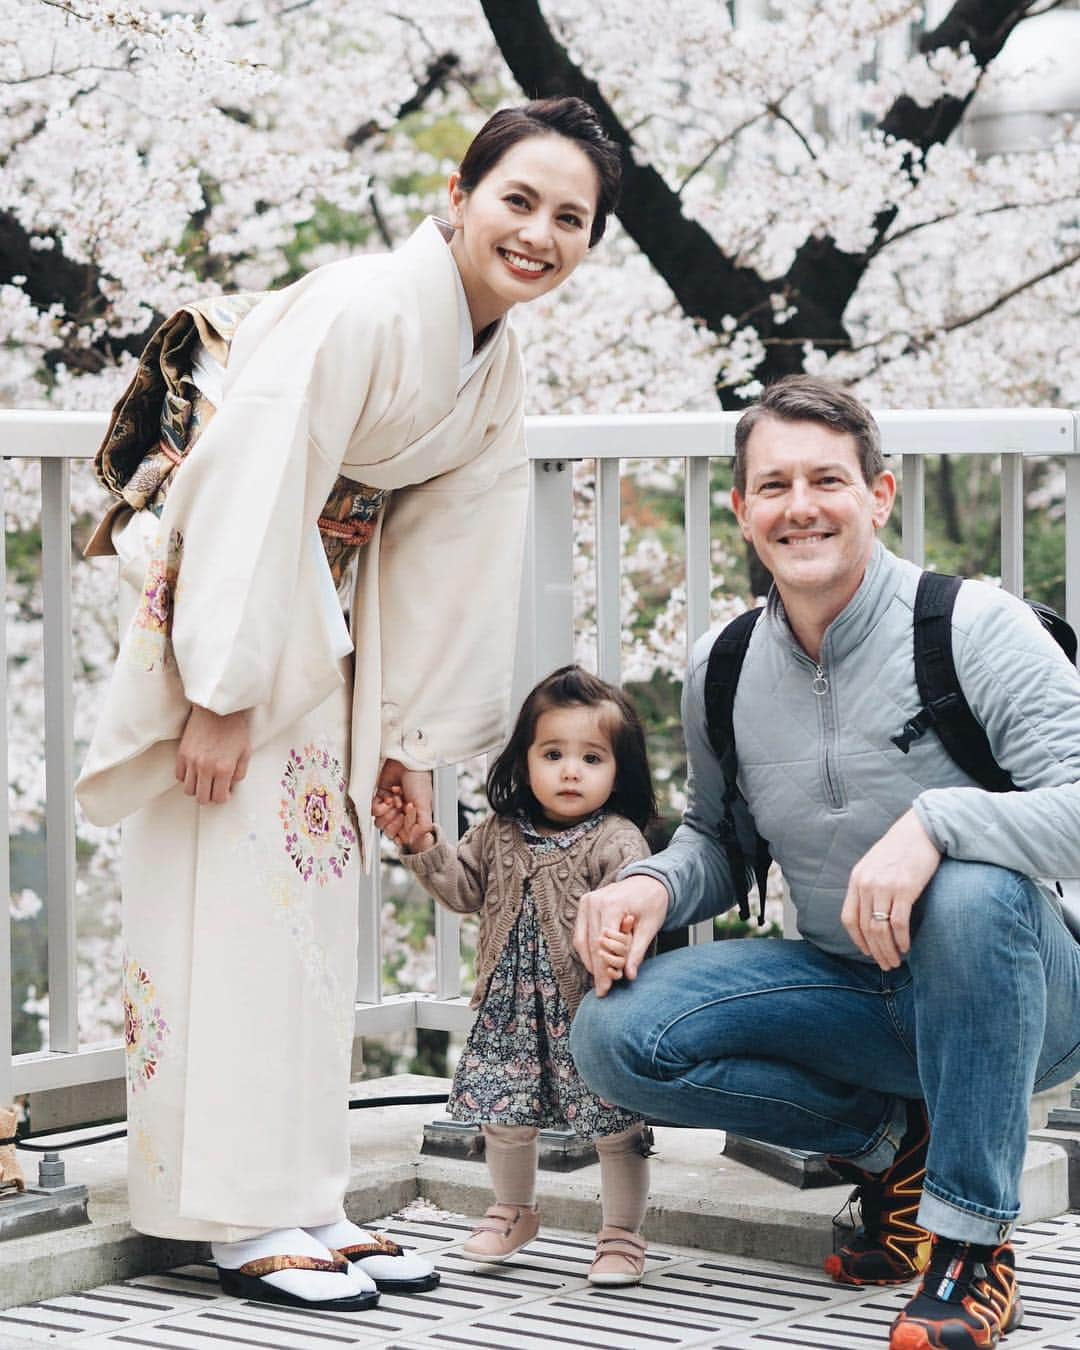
point(571, 764)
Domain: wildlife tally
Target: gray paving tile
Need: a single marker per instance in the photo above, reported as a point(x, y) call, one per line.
point(689, 1300)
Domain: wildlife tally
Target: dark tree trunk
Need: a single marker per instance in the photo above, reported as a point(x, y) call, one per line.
point(709, 285)
point(52, 278)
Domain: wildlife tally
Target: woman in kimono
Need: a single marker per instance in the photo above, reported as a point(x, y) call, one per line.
point(358, 435)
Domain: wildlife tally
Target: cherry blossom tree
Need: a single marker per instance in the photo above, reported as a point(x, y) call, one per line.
point(799, 195)
point(807, 206)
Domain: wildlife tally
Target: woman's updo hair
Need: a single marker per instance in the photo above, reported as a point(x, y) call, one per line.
point(569, 117)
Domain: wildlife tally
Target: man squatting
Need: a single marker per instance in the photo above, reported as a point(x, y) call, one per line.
point(937, 984)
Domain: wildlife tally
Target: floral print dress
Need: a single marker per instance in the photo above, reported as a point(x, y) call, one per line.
point(516, 1068)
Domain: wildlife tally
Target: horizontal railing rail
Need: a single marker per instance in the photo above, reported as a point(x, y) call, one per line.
point(546, 639)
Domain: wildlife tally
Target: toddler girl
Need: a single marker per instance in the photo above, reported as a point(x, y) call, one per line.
point(570, 793)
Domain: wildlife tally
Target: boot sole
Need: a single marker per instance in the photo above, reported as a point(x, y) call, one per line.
point(256, 1289)
point(912, 1336)
point(835, 1270)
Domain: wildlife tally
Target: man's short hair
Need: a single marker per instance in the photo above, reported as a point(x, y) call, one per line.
point(808, 398)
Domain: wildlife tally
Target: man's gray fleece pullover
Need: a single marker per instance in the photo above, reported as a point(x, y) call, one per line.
point(824, 781)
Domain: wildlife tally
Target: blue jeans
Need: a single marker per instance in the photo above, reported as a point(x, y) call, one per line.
point(782, 1042)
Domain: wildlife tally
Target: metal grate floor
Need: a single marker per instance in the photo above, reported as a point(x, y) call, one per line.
point(541, 1299)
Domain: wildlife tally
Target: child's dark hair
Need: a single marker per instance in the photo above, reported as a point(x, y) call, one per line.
point(508, 788)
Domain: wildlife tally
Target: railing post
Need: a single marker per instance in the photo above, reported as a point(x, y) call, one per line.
point(696, 517)
point(913, 508)
point(447, 925)
point(59, 754)
point(551, 566)
point(7, 1045)
point(1012, 523)
point(1072, 529)
point(607, 551)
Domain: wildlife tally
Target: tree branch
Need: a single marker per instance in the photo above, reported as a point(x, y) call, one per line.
point(823, 278)
point(53, 279)
point(1062, 265)
point(1001, 207)
point(776, 111)
point(707, 283)
point(920, 341)
point(440, 70)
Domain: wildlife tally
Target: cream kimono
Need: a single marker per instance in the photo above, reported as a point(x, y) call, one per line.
point(240, 919)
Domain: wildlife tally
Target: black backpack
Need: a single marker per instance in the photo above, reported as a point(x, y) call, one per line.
point(944, 709)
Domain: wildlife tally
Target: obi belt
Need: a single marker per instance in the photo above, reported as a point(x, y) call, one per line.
point(162, 413)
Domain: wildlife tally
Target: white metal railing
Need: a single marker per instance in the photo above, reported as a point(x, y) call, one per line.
point(545, 641)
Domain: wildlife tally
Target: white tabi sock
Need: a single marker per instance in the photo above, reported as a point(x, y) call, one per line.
point(343, 1233)
point(313, 1285)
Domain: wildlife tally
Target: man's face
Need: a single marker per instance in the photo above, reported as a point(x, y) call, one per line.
point(808, 512)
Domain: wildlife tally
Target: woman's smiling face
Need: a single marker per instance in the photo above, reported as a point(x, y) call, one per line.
point(525, 226)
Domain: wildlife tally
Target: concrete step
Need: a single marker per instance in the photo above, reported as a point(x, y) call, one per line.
point(698, 1199)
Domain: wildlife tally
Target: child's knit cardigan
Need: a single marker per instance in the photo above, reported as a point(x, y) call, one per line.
point(487, 872)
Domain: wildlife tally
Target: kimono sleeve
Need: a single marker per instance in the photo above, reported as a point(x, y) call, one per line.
point(255, 482)
point(450, 585)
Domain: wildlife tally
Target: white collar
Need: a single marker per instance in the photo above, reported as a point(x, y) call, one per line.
point(468, 360)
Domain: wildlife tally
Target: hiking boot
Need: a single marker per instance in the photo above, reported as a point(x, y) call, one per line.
point(967, 1300)
point(889, 1247)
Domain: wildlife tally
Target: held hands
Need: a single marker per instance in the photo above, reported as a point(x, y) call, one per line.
point(400, 822)
point(402, 806)
point(614, 947)
point(884, 885)
point(633, 908)
point(213, 754)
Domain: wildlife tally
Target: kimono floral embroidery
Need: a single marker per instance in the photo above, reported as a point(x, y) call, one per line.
point(149, 640)
point(145, 1029)
point(319, 836)
point(143, 1143)
point(292, 906)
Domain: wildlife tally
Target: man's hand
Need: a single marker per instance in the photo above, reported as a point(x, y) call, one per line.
point(884, 885)
point(615, 947)
point(213, 754)
point(638, 901)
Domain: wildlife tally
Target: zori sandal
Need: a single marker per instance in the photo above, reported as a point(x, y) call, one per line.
point(503, 1230)
point(620, 1257)
point(247, 1281)
point(394, 1270)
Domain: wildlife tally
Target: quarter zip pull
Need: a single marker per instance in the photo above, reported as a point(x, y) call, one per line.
point(820, 683)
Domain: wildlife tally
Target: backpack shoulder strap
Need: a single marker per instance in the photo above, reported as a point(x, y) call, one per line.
point(721, 681)
point(944, 707)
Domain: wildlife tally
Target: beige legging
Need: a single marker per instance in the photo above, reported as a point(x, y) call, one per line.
point(624, 1171)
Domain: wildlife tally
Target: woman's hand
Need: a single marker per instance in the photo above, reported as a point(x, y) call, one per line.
point(213, 754)
point(398, 792)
